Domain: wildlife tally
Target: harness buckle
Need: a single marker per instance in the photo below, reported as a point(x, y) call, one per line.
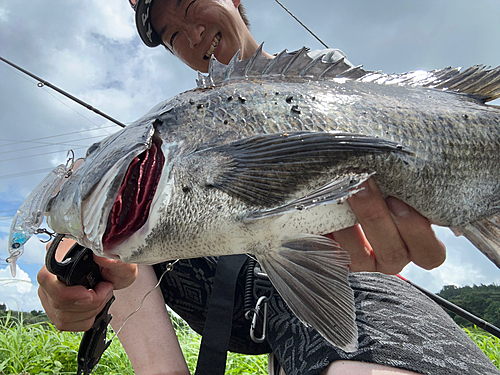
point(261, 301)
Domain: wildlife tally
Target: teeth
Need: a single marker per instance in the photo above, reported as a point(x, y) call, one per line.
point(214, 45)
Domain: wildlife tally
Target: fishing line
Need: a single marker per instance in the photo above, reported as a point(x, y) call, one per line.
point(5, 218)
point(304, 26)
point(168, 268)
point(47, 144)
point(45, 170)
point(43, 154)
point(42, 83)
point(37, 140)
point(74, 110)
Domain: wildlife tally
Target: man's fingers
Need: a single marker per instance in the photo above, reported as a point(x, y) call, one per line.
point(353, 240)
point(120, 274)
point(71, 308)
point(426, 250)
point(380, 230)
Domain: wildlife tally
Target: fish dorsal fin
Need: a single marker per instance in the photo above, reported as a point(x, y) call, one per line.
point(479, 81)
point(285, 64)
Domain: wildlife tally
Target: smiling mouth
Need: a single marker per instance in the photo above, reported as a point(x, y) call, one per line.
point(131, 207)
point(212, 48)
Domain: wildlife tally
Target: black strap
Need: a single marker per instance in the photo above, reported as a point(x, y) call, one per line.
point(217, 330)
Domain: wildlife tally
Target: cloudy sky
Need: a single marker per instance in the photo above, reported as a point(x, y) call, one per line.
point(90, 49)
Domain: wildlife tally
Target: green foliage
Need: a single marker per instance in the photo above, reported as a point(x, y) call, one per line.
point(489, 344)
point(236, 364)
point(480, 300)
point(39, 348)
point(28, 318)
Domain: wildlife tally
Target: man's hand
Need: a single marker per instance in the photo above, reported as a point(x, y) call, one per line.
point(74, 308)
point(392, 235)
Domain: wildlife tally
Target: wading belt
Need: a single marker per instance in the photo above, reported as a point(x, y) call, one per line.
point(219, 320)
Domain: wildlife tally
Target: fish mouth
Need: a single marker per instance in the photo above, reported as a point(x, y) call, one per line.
point(130, 210)
point(213, 46)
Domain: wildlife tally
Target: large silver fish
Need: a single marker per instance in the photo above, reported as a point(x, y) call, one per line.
point(261, 157)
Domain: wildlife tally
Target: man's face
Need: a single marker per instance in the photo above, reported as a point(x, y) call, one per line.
point(196, 29)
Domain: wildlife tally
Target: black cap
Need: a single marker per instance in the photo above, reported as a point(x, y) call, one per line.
point(143, 22)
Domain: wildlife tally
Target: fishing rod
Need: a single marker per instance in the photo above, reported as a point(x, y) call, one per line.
point(304, 26)
point(42, 83)
point(488, 327)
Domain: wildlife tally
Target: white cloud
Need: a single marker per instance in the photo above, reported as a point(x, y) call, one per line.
point(4, 15)
point(19, 293)
point(464, 265)
point(113, 19)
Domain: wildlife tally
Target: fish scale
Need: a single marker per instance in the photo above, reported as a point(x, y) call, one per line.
point(261, 157)
point(429, 107)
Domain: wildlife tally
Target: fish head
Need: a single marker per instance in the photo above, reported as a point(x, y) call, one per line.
point(107, 199)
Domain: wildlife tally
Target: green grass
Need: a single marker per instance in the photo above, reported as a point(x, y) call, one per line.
point(490, 345)
point(236, 364)
point(40, 348)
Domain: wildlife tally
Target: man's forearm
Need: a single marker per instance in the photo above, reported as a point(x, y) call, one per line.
point(148, 336)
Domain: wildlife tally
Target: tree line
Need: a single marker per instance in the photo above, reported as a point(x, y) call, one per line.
point(31, 317)
point(480, 300)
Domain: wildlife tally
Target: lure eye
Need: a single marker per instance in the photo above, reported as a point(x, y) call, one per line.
point(16, 245)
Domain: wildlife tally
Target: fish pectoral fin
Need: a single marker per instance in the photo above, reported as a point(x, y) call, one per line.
point(336, 191)
point(485, 235)
point(311, 274)
point(266, 169)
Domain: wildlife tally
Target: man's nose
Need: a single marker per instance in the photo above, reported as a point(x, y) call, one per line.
point(194, 34)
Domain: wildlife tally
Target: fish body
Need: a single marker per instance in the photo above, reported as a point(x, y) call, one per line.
point(261, 157)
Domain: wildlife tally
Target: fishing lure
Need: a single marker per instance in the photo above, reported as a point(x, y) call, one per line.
point(29, 216)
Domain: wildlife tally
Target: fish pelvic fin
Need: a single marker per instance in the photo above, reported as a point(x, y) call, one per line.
point(310, 273)
point(485, 235)
point(335, 191)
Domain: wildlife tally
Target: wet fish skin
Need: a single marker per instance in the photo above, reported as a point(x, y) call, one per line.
point(255, 163)
point(453, 140)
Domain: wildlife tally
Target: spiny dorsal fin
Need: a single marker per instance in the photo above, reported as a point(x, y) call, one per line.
point(285, 64)
point(479, 81)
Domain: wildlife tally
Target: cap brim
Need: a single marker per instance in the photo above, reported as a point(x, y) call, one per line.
point(143, 22)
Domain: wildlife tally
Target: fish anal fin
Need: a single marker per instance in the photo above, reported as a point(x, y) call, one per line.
point(311, 274)
point(485, 235)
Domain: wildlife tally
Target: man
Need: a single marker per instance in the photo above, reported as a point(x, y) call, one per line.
point(393, 234)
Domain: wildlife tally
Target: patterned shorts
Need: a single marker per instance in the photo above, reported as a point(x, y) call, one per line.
point(398, 326)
